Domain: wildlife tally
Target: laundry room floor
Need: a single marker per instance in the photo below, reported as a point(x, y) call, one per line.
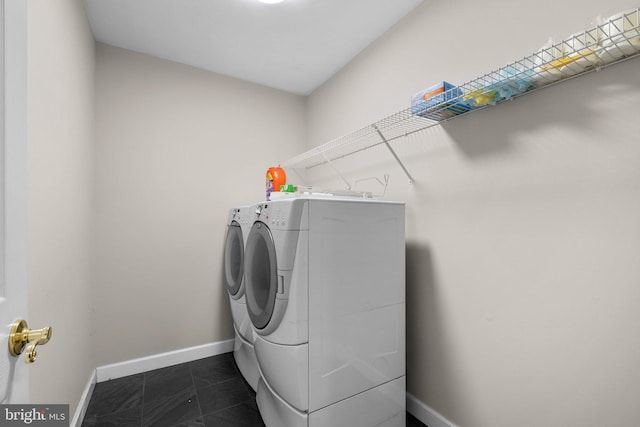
point(208, 392)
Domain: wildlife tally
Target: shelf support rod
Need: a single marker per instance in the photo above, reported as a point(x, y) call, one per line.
point(335, 169)
point(406, 172)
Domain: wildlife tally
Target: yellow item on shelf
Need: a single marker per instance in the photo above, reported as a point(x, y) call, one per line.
point(481, 97)
point(545, 72)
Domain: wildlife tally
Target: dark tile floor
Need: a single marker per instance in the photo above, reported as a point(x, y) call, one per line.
point(208, 392)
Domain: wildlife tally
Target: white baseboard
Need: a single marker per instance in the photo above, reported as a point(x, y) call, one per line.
point(162, 360)
point(428, 416)
point(81, 410)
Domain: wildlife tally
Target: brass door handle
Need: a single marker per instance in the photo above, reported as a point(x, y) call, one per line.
point(20, 335)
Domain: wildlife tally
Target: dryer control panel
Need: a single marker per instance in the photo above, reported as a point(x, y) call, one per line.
point(240, 215)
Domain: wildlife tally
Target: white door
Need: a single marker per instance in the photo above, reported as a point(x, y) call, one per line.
point(13, 193)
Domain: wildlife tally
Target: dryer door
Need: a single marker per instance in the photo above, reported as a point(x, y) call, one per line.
point(261, 275)
point(234, 260)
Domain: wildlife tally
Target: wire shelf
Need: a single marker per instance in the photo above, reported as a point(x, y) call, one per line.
point(614, 41)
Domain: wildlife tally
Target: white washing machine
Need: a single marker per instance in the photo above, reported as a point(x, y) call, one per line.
point(325, 290)
point(238, 226)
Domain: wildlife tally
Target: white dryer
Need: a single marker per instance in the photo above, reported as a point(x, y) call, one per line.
point(238, 225)
point(325, 290)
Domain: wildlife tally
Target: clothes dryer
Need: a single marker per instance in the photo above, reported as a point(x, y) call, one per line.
point(238, 225)
point(325, 291)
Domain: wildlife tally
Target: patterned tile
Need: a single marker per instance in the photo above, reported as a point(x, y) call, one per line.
point(116, 395)
point(212, 370)
point(191, 423)
point(223, 395)
point(126, 418)
point(243, 415)
point(169, 411)
point(165, 382)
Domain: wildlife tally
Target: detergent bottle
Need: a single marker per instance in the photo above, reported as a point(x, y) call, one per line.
point(275, 177)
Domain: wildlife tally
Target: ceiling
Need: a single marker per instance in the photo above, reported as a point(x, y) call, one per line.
point(293, 46)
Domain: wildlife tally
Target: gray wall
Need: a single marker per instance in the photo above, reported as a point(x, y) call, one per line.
point(176, 148)
point(522, 224)
point(60, 191)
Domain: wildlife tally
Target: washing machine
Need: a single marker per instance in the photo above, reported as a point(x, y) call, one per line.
point(325, 292)
point(238, 226)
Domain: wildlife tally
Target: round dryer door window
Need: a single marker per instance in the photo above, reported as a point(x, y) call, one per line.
point(234, 259)
point(260, 275)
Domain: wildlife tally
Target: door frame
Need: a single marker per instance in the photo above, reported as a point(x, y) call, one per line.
point(15, 181)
